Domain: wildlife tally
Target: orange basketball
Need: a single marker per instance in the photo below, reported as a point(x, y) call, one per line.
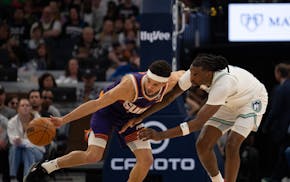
point(40, 131)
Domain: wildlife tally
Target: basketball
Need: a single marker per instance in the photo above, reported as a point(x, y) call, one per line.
point(40, 131)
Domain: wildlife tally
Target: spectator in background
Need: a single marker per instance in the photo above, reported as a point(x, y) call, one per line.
point(116, 55)
point(46, 81)
point(277, 123)
point(74, 26)
point(89, 44)
point(87, 13)
point(4, 34)
point(55, 6)
point(5, 110)
point(128, 33)
point(64, 10)
point(132, 65)
point(19, 28)
point(29, 15)
point(4, 37)
point(36, 37)
point(107, 35)
point(35, 100)
point(72, 74)
point(14, 54)
point(98, 15)
point(127, 9)
point(51, 26)
point(89, 90)
point(21, 150)
point(47, 104)
point(12, 102)
point(40, 62)
point(118, 26)
point(4, 149)
point(112, 12)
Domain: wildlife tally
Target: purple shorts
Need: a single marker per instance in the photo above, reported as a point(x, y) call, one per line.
point(103, 122)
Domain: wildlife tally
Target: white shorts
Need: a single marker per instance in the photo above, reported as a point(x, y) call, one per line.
point(242, 121)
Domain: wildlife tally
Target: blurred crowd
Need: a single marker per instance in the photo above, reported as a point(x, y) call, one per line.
point(97, 40)
point(49, 34)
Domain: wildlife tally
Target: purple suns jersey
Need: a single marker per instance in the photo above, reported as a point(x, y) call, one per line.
point(125, 110)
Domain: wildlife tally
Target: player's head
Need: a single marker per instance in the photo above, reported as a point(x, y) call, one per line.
point(203, 67)
point(157, 76)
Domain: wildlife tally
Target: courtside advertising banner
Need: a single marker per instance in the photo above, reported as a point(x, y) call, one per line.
point(259, 22)
point(155, 38)
point(174, 159)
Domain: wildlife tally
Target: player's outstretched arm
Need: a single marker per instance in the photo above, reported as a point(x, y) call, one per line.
point(123, 91)
point(185, 128)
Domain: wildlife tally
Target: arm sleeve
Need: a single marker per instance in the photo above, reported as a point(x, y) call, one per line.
point(221, 90)
point(184, 82)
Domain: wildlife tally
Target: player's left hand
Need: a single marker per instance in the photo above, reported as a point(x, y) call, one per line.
point(149, 133)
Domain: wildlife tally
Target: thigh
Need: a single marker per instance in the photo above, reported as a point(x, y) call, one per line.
point(247, 123)
point(130, 138)
point(223, 119)
point(102, 123)
point(209, 135)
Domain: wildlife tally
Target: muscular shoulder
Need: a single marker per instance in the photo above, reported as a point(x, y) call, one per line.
point(127, 87)
point(173, 79)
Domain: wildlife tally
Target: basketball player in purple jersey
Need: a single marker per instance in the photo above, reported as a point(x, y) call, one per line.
point(122, 101)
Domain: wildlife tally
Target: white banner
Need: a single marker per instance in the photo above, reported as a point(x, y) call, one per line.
point(259, 22)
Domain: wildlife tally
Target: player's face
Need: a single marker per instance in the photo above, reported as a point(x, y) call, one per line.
point(152, 86)
point(199, 76)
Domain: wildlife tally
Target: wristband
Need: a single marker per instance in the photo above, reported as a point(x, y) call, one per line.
point(184, 128)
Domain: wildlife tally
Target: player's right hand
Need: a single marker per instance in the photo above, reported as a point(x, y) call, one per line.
point(149, 134)
point(57, 121)
point(130, 123)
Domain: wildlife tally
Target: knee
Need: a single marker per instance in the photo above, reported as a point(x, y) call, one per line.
point(232, 148)
point(202, 146)
point(146, 161)
point(93, 156)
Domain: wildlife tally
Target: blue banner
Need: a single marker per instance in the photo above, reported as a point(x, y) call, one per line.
point(155, 38)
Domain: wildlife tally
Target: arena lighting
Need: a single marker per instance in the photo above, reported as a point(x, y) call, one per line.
point(259, 22)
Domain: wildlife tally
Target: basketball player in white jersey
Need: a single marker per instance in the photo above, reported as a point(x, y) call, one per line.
point(236, 102)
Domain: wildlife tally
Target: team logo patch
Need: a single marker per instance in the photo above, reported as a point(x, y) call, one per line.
point(257, 105)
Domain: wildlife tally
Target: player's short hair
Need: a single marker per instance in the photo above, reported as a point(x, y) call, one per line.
point(161, 68)
point(210, 62)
